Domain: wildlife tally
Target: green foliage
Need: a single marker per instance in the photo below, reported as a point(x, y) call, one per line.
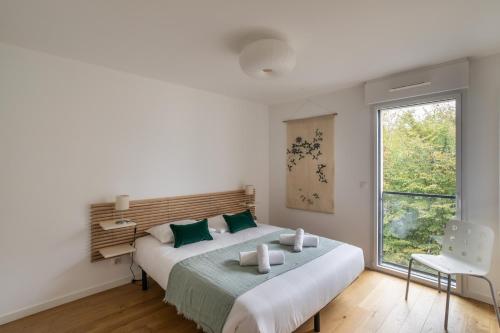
point(419, 156)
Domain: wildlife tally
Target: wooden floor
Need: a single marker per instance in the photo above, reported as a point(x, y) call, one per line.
point(373, 303)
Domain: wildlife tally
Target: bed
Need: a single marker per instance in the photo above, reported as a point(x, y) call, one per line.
point(280, 304)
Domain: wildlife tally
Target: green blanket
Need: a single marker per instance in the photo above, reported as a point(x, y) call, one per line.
point(204, 287)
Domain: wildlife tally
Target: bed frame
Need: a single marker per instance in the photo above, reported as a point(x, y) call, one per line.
point(150, 212)
point(145, 286)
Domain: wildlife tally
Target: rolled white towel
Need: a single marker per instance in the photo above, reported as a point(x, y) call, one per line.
point(309, 240)
point(299, 240)
point(249, 258)
point(263, 259)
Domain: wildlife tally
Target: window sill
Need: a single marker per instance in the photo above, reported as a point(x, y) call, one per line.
point(416, 276)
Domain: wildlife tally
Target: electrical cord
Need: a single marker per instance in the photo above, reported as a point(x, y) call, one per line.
point(132, 271)
point(132, 259)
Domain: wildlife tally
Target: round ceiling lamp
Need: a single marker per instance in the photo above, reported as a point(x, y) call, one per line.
point(267, 58)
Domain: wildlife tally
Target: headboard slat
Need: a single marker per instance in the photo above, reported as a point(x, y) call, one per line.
point(150, 212)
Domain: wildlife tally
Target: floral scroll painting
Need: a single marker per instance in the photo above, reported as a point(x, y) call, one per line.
point(310, 164)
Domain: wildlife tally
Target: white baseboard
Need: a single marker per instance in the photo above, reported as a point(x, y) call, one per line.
point(480, 297)
point(29, 310)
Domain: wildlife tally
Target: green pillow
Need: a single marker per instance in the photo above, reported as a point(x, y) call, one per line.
point(190, 233)
point(240, 221)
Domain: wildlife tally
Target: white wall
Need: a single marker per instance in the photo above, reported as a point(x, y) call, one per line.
point(72, 134)
point(353, 221)
point(480, 155)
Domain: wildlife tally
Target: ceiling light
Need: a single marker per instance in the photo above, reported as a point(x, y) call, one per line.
point(267, 58)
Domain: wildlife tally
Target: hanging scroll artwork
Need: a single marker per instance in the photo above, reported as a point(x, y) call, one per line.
point(310, 164)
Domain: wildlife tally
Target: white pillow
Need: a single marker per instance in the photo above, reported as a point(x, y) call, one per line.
point(164, 234)
point(218, 223)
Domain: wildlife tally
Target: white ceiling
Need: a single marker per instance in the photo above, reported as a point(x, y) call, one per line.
point(196, 42)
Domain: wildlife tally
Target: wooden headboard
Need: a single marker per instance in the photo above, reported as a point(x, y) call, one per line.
point(150, 212)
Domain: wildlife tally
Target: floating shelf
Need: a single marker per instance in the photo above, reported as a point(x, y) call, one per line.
point(116, 250)
point(110, 225)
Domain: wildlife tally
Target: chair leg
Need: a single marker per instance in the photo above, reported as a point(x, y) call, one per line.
point(492, 290)
point(447, 303)
point(439, 282)
point(408, 279)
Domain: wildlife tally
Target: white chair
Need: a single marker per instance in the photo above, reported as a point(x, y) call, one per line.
point(467, 250)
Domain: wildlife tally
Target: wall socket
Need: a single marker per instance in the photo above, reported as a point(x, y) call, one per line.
point(118, 260)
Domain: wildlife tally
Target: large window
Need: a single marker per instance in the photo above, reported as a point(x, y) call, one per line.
point(418, 183)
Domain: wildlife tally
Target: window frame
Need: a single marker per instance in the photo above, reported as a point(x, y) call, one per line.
point(458, 96)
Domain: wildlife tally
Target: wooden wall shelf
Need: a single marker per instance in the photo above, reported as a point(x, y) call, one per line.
point(116, 250)
point(111, 225)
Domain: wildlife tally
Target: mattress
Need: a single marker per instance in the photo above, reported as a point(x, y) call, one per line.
point(278, 305)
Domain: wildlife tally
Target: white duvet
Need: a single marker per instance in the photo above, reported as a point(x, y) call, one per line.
point(278, 305)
